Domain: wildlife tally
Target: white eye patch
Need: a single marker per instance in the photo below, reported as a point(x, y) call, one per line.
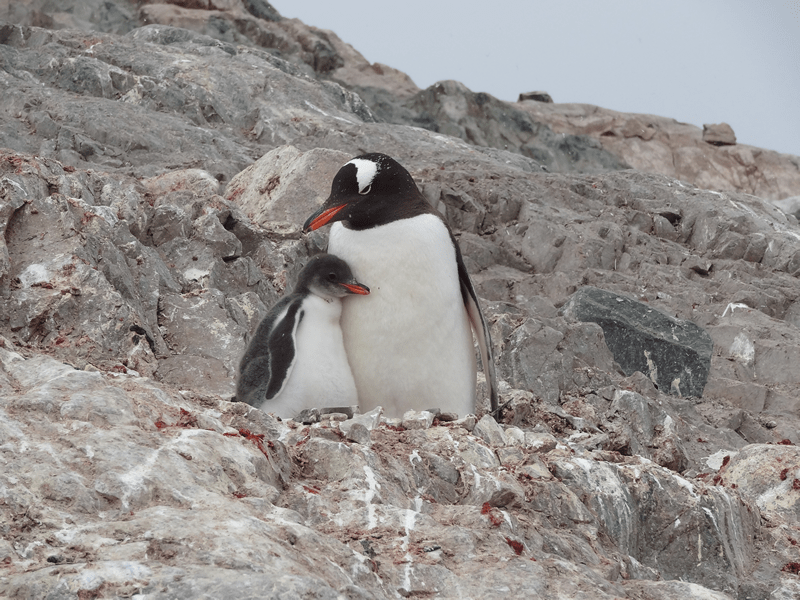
point(366, 170)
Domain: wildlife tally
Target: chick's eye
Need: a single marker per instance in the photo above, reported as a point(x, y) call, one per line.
point(331, 276)
point(366, 190)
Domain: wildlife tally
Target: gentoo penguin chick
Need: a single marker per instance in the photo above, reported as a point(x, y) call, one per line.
point(296, 359)
point(409, 343)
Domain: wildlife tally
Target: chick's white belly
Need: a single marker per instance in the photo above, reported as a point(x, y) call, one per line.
point(320, 376)
point(409, 342)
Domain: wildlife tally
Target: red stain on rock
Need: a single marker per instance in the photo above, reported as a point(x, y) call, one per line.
point(394, 427)
point(517, 546)
point(187, 419)
point(494, 518)
point(257, 439)
point(792, 567)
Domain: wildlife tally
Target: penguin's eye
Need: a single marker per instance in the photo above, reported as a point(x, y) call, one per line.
point(366, 190)
point(331, 276)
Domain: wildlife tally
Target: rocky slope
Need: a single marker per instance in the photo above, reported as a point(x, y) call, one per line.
point(157, 162)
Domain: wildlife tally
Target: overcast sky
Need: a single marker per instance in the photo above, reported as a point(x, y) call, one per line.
point(698, 61)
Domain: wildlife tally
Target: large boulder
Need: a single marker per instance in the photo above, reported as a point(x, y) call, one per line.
point(674, 354)
point(285, 185)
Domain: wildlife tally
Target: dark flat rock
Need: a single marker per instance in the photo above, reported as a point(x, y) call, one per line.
point(674, 353)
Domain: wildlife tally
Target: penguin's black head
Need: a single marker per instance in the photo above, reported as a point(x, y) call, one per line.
point(370, 190)
point(328, 276)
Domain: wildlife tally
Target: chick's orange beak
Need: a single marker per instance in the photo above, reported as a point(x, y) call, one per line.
point(358, 288)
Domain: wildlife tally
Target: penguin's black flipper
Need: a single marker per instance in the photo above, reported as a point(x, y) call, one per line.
point(267, 363)
point(283, 346)
point(479, 326)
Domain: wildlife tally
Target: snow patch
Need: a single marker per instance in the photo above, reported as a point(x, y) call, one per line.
point(743, 348)
point(35, 273)
point(195, 274)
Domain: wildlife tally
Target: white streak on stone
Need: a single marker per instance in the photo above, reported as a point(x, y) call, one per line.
point(15, 184)
point(323, 113)
point(507, 517)
point(734, 305)
point(684, 484)
point(476, 476)
point(409, 525)
point(369, 495)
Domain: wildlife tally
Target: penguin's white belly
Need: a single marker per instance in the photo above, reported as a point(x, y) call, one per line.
point(409, 342)
point(320, 375)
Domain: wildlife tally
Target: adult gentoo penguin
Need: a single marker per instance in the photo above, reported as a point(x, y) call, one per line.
point(409, 343)
point(296, 359)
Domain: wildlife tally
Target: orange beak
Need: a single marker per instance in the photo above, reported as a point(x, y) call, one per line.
point(358, 288)
point(317, 221)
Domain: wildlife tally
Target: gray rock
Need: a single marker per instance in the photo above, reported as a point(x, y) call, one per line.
point(169, 222)
point(514, 436)
point(675, 354)
point(714, 506)
point(417, 420)
point(359, 434)
point(14, 196)
point(169, 118)
point(768, 474)
point(646, 430)
point(247, 310)
point(369, 420)
point(467, 422)
point(489, 431)
point(791, 205)
point(191, 372)
point(511, 456)
point(220, 241)
point(720, 134)
point(540, 442)
point(536, 96)
point(543, 352)
point(285, 185)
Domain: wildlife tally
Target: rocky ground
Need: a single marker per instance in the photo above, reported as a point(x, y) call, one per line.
point(157, 162)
